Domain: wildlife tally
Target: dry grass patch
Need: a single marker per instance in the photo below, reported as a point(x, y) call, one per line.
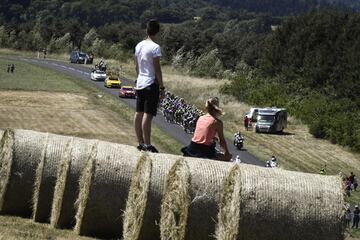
point(63, 113)
point(16, 228)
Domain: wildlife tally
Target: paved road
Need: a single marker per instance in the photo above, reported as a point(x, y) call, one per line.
point(175, 131)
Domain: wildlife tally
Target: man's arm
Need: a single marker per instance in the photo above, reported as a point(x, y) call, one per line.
point(136, 66)
point(158, 72)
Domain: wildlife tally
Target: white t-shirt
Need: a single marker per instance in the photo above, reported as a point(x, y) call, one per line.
point(145, 52)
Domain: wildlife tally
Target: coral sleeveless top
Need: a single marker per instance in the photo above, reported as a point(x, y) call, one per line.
point(205, 130)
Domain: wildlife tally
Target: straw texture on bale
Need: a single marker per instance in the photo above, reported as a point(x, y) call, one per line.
point(175, 203)
point(137, 199)
point(278, 204)
point(229, 212)
point(67, 188)
point(103, 200)
point(161, 165)
point(6, 156)
point(206, 181)
point(57, 148)
point(28, 150)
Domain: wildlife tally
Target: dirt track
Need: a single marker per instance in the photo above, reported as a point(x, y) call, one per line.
point(62, 113)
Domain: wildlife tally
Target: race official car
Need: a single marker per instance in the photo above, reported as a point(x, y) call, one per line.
point(112, 82)
point(127, 92)
point(97, 75)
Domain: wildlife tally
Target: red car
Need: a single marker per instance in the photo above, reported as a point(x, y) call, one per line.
point(127, 92)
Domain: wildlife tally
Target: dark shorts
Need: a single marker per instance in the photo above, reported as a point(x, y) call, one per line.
point(147, 99)
point(199, 150)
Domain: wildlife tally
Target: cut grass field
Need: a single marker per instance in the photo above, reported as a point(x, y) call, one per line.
point(40, 99)
point(16, 228)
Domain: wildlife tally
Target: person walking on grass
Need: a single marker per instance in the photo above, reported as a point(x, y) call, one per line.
point(355, 183)
point(149, 85)
point(348, 217)
point(356, 217)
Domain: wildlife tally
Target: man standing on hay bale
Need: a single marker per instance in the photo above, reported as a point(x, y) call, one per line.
point(149, 85)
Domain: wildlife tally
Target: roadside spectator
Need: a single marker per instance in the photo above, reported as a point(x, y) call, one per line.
point(12, 68)
point(355, 183)
point(352, 176)
point(149, 85)
point(348, 217)
point(8, 67)
point(323, 171)
point(44, 52)
point(208, 127)
point(348, 186)
point(273, 162)
point(268, 165)
point(246, 122)
point(356, 217)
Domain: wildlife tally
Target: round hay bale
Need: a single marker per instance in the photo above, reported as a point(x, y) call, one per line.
point(174, 207)
point(137, 199)
point(104, 188)
point(6, 157)
point(58, 147)
point(66, 189)
point(229, 209)
point(28, 150)
point(278, 204)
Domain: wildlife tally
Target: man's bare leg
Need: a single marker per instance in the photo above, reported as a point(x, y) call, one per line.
point(138, 126)
point(146, 128)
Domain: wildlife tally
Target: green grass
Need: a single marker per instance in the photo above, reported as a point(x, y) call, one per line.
point(21, 228)
point(28, 77)
point(353, 234)
point(34, 78)
point(354, 198)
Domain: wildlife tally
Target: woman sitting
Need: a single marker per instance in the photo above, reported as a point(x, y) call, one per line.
point(208, 128)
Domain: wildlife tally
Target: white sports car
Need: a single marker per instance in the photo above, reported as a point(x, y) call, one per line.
point(97, 75)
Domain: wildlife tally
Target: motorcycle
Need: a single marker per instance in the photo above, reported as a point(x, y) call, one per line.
point(239, 142)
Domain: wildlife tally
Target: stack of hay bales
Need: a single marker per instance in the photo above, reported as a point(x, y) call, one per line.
point(121, 192)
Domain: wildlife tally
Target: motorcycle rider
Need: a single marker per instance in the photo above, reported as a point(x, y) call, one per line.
point(273, 162)
point(238, 139)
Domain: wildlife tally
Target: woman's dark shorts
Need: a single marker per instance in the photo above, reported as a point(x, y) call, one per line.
point(199, 150)
point(147, 99)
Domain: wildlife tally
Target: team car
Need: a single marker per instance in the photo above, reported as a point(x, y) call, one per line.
point(97, 75)
point(127, 92)
point(112, 82)
point(81, 57)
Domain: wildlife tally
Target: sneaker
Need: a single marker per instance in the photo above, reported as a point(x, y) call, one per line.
point(150, 148)
point(140, 147)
